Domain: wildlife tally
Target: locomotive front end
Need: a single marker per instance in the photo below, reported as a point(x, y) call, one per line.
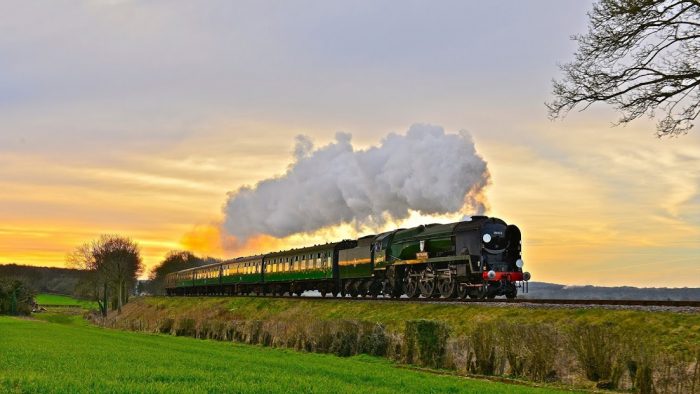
point(502, 263)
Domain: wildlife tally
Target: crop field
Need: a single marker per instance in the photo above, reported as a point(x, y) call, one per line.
point(63, 300)
point(73, 356)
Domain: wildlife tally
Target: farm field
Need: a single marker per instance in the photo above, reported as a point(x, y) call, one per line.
point(44, 356)
point(63, 300)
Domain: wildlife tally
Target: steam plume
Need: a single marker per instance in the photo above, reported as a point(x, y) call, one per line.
point(425, 170)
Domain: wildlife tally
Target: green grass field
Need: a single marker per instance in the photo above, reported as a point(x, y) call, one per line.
point(48, 357)
point(63, 300)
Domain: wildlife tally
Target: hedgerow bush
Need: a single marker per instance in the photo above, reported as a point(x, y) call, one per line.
point(601, 353)
point(16, 297)
point(425, 343)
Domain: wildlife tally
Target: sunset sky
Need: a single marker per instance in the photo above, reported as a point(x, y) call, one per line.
point(138, 117)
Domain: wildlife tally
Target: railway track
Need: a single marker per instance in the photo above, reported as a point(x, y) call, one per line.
point(540, 301)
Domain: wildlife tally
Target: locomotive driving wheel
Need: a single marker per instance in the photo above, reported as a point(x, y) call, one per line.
point(410, 284)
point(427, 282)
point(462, 291)
point(448, 287)
point(478, 293)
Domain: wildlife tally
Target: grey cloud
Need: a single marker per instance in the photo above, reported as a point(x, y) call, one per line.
point(426, 170)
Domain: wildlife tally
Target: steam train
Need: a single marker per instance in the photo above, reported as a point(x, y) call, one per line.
point(476, 258)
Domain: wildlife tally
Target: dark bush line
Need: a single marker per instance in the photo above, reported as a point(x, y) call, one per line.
point(539, 352)
point(16, 298)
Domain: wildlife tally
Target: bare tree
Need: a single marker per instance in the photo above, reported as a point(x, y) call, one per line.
point(121, 261)
point(96, 284)
point(114, 263)
point(642, 56)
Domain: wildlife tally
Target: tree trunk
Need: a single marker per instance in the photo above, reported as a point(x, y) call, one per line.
point(119, 297)
point(104, 301)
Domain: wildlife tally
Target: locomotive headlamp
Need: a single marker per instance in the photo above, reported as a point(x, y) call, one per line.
point(487, 238)
point(491, 274)
point(519, 263)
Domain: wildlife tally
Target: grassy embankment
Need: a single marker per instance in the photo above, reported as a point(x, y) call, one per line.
point(674, 332)
point(577, 347)
point(46, 357)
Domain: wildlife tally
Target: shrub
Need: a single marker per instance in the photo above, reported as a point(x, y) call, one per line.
point(514, 346)
point(487, 359)
point(459, 355)
point(600, 352)
point(677, 373)
point(165, 326)
point(425, 343)
point(16, 298)
point(542, 343)
point(373, 340)
point(186, 327)
point(640, 367)
point(252, 332)
point(345, 341)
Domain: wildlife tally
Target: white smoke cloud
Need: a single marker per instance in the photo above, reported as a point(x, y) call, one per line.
point(425, 170)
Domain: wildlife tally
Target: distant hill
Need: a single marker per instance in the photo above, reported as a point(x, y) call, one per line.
point(45, 279)
point(554, 291)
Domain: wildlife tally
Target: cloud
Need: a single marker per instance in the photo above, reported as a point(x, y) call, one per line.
point(426, 170)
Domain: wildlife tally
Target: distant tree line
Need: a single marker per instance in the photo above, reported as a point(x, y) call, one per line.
point(589, 292)
point(46, 279)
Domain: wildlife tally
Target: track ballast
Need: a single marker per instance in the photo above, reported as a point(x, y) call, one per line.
point(540, 301)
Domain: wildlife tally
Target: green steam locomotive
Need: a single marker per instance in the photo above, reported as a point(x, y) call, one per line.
point(476, 258)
